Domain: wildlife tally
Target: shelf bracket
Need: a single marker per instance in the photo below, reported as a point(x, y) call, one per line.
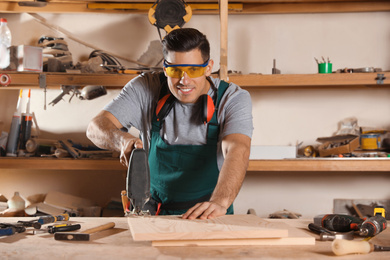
point(42, 84)
point(380, 78)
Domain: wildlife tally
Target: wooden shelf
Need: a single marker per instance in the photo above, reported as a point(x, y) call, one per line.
point(35, 163)
point(203, 6)
point(252, 81)
point(381, 165)
point(56, 79)
point(344, 80)
point(322, 165)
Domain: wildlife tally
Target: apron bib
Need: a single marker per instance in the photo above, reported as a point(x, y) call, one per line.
point(180, 173)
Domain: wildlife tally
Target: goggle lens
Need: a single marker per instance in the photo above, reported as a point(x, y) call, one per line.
point(178, 72)
point(192, 70)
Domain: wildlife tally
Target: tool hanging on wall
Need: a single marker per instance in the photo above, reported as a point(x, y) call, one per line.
point(169, 14)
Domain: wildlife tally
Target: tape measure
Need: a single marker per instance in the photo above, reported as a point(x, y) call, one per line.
point(309, 151)
point(5, 80)
point(169, 14)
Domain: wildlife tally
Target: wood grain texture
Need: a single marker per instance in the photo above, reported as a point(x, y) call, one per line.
point(164, 228)
point(295, 237)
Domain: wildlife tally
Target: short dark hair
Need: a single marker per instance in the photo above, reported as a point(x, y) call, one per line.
point(184, 40)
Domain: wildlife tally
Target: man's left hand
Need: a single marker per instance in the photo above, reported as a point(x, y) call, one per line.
point(205, 210)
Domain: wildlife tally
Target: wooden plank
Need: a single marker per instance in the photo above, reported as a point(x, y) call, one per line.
point(203, 6)
point(162, 228)
point(223, 16)
point(295, 237)
point(316, 7)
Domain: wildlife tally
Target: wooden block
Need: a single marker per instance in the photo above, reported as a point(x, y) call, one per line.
point(296, 237)
point(163, 228)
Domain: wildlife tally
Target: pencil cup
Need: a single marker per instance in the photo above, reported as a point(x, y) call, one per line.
point(325, 68)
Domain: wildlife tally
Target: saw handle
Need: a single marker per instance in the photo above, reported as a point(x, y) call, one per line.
point(99, 228)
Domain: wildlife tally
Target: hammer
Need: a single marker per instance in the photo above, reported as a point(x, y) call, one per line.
point(82, 236)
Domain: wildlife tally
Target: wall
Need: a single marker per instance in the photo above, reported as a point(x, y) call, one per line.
point(281, 117)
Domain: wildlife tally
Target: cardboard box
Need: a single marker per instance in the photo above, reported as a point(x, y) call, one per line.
point(26, 58)
point(339, 144)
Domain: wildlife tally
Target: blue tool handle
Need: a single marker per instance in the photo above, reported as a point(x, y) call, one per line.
point(51, 219)
point(7, 231)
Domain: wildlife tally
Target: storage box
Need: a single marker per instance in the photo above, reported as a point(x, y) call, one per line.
point(26, 58)
point(259, 152)
point(339, 144)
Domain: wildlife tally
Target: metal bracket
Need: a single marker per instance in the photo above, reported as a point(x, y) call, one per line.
point(380, 78)
point(42, 84)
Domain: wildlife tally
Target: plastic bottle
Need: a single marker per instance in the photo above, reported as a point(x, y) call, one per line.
point(16, 202)
point(5, 43)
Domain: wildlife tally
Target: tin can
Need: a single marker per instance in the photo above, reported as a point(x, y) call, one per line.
point(370, 141)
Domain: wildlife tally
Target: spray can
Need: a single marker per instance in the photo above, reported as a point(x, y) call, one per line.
point(13, 136)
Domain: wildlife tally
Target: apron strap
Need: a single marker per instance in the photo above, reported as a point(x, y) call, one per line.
point(213, 125)
point(156, 125)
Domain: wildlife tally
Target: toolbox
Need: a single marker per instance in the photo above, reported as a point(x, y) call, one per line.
point(338, 144)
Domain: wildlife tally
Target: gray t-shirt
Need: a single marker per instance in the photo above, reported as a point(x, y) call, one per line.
point(135, 105)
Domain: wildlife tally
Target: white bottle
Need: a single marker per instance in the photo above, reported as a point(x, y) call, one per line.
point(5, 43)
point(16, 202)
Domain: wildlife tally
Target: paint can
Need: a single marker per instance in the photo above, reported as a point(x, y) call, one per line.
point(370, 141)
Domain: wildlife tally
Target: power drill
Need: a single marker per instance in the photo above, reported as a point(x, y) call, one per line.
point(338, 222)
point(343, 223)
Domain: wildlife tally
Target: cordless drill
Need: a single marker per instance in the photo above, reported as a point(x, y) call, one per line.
point(338, 222)
point(344, 223)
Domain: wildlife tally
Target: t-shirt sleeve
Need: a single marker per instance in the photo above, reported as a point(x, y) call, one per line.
point(237, 111)
point(134, 101)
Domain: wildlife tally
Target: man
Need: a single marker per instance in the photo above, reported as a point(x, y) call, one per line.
point(197, 166)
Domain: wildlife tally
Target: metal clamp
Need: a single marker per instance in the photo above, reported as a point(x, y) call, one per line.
point(380, 78)
point(42, 84)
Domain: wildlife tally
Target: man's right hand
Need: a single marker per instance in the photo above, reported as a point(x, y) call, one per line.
point(127, 146)
point(105, 132)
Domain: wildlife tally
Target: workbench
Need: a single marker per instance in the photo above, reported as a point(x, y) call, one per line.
point(117, 244)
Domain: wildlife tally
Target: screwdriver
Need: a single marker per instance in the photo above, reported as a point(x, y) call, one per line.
point(345, 247)
point(51, 219)
point(58, 228)
point(7, 231)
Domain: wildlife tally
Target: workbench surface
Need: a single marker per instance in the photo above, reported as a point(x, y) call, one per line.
point(117, 243)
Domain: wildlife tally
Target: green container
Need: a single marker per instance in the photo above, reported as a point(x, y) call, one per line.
point(325, 68)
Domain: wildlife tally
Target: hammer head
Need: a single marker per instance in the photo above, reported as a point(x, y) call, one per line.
point(71, 236)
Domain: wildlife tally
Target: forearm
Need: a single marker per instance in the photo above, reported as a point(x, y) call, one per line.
point(232, 173)
point(104, 134)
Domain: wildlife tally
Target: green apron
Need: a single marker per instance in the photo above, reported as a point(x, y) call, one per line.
point(181, 173)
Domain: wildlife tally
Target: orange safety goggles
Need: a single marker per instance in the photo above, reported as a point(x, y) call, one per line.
point(192, 70)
